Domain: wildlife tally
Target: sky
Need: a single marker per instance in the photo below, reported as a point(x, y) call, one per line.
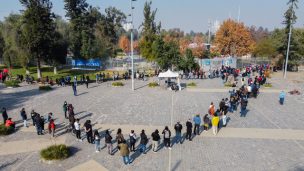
point(189, 14)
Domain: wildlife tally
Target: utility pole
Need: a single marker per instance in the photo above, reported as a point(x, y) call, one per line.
point(289, 37)
point(132, 53)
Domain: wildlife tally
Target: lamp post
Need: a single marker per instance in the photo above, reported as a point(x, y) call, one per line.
point(289, 37)
point(132, 53)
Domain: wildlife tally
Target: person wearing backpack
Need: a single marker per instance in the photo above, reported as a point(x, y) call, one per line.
point(143, 142)
point(155, 140)
point(189, 130)
point(108, 141)
point(206, 122)
point(132, 137)
point(178, 132)
point(167, 136)
point(119, 137)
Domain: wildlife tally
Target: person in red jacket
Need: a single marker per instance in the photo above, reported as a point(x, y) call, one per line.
point(10, 123)
point(52, 127)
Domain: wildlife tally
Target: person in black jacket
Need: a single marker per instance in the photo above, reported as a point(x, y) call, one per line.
point(24, 117)
point(178, 132)
point(155, 140)
point(4, 114)
point(167, 137)
point(108, 141)
point(39, 124)
point(143, 142)
point(189, 130)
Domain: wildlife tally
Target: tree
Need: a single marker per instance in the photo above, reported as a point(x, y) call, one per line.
point(290, 19)
point(166, 54)
point(234, 38)
point(265, 48)
point(38, 29)
point(149, 32)
point(2, 45)
point(75, 12)
point(187, 62)
point(108, 30)
point(124, 44)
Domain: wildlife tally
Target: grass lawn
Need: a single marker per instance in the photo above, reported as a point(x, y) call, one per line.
point(49, 71)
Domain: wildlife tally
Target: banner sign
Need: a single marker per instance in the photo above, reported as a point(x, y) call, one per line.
point(91, 63)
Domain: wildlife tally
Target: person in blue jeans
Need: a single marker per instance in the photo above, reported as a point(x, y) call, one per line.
point(282, 97)
point(178, 132)
point(244, 103)
point(197, 122)
point(74, 86)
point(143, 142)
point(124, 152)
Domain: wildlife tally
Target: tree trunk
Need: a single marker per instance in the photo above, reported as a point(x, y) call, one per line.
point(55, 70)
point(38, 69)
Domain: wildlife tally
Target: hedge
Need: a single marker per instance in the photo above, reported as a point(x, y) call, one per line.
point(5, 130)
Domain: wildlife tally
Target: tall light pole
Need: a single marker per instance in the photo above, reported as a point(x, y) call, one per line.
point(132, 53)
point(289, 37)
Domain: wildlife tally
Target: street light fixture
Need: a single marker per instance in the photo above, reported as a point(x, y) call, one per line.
point(132, 53)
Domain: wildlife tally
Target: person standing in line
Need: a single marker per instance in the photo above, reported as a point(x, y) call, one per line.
point(65, 109)
point(155, 140)
point(215, 123)
point(119, 137)
point(77, 129)
point(38, 123)
point(97, 141)
point(108, 141)
point(178, 132)
point(222, 106)
point(33, 116)
point(132, 137)
point(244, 103)
point(206, 122)
point(74, 87)
point(167, 136)
point(282, 97)
point(189, 130)
point(89, 132)
point(211, 109)
point(52, 127)
point(197, 122)
point(24, 117)
point(124, 152)
point(87, 80)
point(143, 142)
point(4, 115)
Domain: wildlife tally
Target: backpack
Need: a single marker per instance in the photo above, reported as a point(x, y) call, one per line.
point(132, 139)
point(166, 134)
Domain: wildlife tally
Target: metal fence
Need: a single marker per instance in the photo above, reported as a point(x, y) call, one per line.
point(240, 63)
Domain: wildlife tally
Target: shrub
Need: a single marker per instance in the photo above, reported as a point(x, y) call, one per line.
point(153, 84)
point(6, 130)
point(117, 84)
point(192, 84)
point(268, 85)
point(12, 83)
point(45, 88)
point(55, 152)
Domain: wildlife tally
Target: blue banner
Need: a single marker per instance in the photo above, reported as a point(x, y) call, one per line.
point(96, 63)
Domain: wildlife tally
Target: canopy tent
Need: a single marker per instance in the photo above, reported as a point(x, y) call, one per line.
point(168, 74)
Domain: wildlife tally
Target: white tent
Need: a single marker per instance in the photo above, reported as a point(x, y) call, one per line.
point(168, 74)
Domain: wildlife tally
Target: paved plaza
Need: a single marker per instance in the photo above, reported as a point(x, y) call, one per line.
point(270, 137)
